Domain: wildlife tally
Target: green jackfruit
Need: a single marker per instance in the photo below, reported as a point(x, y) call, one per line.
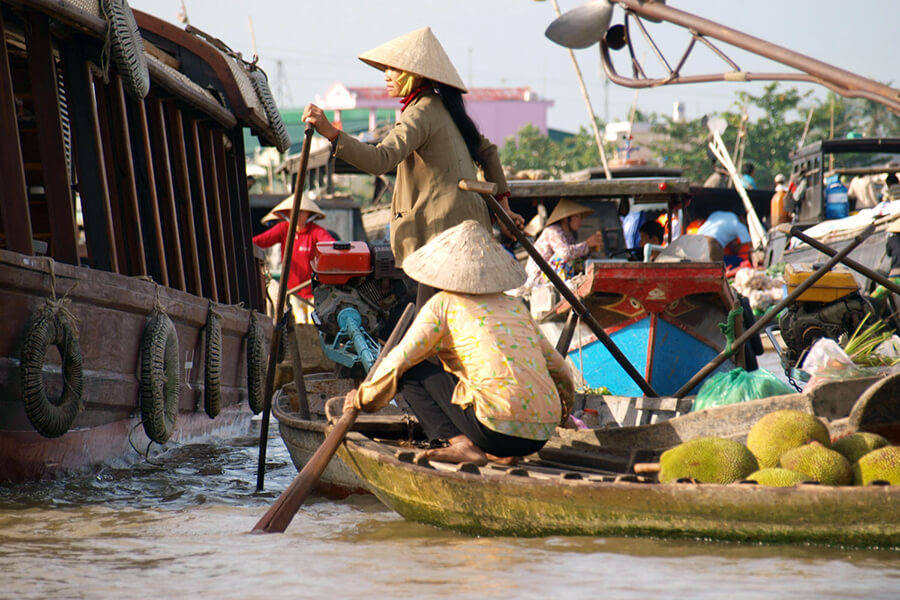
point(882, 464)
point(820, 463)
point(707, 460)
point(777, 477)
point(857, 445)
point(783, 430)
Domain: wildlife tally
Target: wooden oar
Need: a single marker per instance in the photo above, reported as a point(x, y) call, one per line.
point(279, 306)
point(487, 190)
point(279, 515)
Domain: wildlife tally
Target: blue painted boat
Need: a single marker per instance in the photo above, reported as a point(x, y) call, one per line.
point(663, 316)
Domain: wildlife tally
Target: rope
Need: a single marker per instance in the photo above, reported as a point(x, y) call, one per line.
point(59, 305)
point(727, 329)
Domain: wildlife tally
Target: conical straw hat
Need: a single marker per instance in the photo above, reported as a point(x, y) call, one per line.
point(283, 209)
point(567, 208)
point(419, 53)
point(465, 259)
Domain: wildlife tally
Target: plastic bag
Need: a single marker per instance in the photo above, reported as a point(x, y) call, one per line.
point(739, 385)
point(827, 360)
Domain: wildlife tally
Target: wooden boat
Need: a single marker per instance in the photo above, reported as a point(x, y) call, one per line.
point(124, 235)
point(664, 317)
point(576, 486)
point(302, 437)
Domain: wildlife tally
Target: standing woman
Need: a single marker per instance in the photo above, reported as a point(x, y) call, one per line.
point(433, 145)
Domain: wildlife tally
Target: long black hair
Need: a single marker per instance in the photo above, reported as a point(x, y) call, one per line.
point(453, 102)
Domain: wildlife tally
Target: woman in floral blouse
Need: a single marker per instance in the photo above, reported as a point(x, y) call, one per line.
point(558, 246)
point(501, 388)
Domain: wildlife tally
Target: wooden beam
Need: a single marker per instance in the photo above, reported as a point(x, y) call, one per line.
point(163, 173)
point(183, 182)
point(239, 172)
point(125, 157)
point(202, 207)
point(51, 141)
point(120, 224)
point(88, 159)
point(223, 259)
point(238, 282)
point(152, 197)
point(13, 189)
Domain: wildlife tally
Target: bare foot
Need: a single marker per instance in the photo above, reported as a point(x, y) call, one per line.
point(461, 449)
point(509, 461)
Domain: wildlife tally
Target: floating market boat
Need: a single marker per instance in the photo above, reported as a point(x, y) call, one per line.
point(575, 487)
point(125, 238)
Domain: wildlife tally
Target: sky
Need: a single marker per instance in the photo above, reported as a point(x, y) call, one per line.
point(304, 46)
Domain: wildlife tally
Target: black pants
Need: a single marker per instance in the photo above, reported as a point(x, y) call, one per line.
point(428, 389)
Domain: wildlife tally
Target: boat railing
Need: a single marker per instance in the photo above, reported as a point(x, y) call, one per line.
point(150, 187)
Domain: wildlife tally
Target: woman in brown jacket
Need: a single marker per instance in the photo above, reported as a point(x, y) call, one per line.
point(433, 145)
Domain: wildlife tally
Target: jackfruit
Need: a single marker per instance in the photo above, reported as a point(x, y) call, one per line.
point(882, 464)
point(783, 430)
point(707, 460)
point(820, 463)
point(777, 477)
point(856, 445)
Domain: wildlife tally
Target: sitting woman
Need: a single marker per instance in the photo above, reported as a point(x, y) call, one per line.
point(558, 246)
point(501, 388)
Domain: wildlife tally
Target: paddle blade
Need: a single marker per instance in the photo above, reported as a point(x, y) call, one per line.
point(282, 511)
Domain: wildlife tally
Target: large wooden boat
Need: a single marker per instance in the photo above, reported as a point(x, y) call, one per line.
point(132, 300)
point(576, 486)
point(664, 317)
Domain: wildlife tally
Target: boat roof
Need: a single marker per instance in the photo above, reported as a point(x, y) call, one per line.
point(642, 189)
point(213, 80)
point(871, 145)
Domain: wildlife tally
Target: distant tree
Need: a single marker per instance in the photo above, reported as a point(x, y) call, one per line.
point(531, 149)
point(768, 139)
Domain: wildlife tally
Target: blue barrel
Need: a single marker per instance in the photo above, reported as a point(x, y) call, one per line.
point(837, 206)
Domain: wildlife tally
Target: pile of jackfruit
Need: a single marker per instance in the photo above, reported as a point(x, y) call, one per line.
point(784, 448)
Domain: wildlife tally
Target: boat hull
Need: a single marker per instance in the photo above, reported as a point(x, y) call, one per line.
point(663, 317)
point(110, 312)
point(506, 504)
point(581, 482)
point(303, 437)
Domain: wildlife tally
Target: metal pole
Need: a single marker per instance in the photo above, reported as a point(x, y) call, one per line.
point(587, 103)
point(762, 322)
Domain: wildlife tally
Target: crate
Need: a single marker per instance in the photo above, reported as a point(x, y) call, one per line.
point(834, 285)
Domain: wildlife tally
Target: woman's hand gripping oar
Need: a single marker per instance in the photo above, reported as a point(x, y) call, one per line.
point(279, 515)
point(487, 189)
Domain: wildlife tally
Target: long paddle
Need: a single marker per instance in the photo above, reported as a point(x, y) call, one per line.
point(279, 515)
point(279, 306)
point(487, 190)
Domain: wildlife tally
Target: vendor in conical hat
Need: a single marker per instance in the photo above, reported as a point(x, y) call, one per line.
point(557, 243)
point(308, 235)
point(501, 388)
point(433, 145)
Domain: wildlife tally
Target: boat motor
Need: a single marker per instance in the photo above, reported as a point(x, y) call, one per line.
point(831, 308)
point(359, 295)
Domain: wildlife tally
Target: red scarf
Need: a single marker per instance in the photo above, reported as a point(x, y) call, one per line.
point(412, 96)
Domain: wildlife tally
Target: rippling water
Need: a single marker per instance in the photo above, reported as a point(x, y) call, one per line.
point(177, 528)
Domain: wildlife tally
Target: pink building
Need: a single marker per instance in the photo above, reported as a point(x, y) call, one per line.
point(499, 112)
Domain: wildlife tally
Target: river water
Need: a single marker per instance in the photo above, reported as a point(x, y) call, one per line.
point(176, 527)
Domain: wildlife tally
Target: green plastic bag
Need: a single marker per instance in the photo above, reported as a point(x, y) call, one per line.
point(739, 385)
